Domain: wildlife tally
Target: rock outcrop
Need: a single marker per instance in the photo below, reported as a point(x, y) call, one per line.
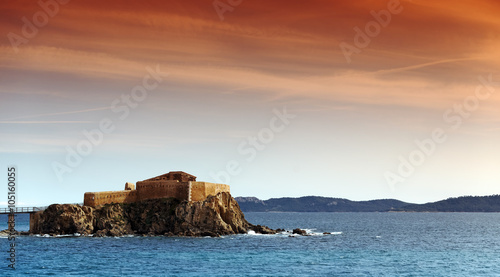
point(7, 232)
point(299, 231)
point(215, 216)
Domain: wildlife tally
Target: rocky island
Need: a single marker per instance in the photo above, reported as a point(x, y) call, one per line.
point(215, 216)
point(161, 205)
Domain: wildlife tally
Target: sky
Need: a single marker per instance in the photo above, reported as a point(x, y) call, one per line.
point(352, 99)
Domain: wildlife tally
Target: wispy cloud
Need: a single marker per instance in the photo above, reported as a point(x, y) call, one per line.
point(422, 65)
point(59, 113)
point(62, 60)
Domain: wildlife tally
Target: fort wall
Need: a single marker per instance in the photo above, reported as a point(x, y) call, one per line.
point(162, 189)
point(177, 184)
point(129, 186)
point(106, 197)
point(201, 190)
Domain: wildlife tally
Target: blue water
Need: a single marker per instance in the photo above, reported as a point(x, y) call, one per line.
point(362, 244)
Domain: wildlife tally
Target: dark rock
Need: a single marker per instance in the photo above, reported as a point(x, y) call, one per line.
point(64, 219)
point(262, 229)
point(6, 233)
point(299, 232)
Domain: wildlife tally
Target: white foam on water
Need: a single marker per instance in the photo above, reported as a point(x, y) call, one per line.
point(253, 233)
point(310, 232)
point(68, 235)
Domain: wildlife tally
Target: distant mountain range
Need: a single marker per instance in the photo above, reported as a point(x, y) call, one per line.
point(326, 204)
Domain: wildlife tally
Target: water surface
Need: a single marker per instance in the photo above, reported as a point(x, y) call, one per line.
point(361, 244)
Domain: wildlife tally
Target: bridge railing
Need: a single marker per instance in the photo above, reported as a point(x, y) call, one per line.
point(22, 210)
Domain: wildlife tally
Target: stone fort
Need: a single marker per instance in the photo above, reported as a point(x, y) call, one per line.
point(177, 184)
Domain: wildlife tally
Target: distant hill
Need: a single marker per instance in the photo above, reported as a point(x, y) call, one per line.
point(317, 204)
point(326, 204)
point(459, 204)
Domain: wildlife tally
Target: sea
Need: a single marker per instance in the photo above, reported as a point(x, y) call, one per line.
point(359, 244)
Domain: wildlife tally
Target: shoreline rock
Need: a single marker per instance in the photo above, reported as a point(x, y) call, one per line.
point(215, 216)
point(6, 233)
point(299, 231)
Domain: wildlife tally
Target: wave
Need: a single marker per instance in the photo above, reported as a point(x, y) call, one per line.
point(57, 236)
point(288, 233)
point(252, 233)
point(309, 232)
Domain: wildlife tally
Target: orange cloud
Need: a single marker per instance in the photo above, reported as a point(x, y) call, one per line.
point(286, 47)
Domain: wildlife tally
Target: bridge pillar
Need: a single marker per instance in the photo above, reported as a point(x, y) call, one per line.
point(11, 221)
point(32, 221)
